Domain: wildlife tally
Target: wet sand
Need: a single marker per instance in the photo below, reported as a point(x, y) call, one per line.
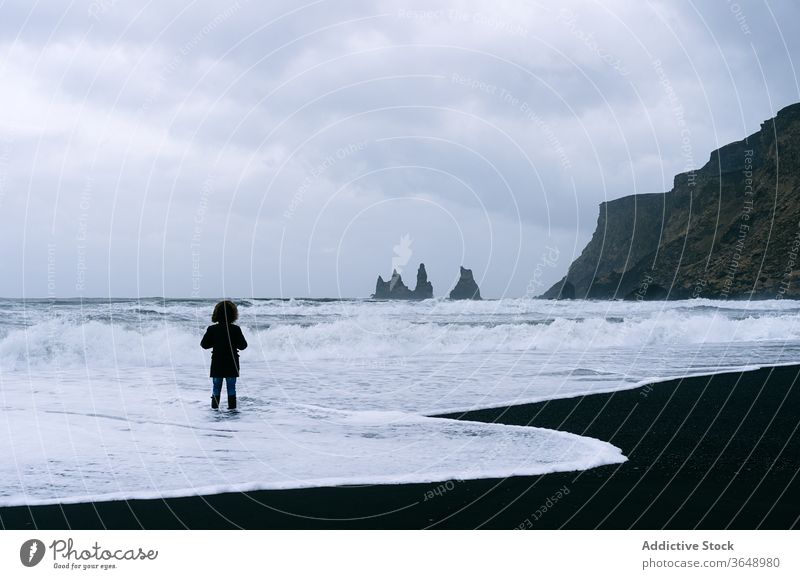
point(713, 452)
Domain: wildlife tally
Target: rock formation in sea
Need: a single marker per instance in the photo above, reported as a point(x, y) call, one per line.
point(728, 230)
point(424, 289)
point(395, 289)
point(466, 288)
point(392, 289)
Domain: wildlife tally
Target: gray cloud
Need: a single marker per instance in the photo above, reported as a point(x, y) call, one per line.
point(285, 149)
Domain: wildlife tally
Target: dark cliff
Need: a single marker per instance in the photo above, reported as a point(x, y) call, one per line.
point(728, 230)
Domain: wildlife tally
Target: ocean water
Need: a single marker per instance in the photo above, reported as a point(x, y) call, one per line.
point(110, 398)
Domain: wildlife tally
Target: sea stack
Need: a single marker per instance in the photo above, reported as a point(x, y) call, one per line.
point(466, 288)
point(424, 289)
point(395, 289)
point(392, 289)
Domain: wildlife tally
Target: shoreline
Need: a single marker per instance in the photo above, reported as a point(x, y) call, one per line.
point(712, 451)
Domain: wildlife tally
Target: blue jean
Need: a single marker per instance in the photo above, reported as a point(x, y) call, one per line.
point(230, 383)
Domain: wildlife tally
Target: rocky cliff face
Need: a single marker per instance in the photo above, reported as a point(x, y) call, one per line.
point(728, 230)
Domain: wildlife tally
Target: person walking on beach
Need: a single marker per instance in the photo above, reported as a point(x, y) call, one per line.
point(226, 339)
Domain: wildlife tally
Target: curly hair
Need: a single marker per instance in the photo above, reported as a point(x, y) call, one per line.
point(225, 311)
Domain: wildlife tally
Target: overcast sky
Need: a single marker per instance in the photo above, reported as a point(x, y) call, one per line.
point(285, 149)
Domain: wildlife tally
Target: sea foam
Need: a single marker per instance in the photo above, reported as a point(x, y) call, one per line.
point(111, 399)
point(162, 336)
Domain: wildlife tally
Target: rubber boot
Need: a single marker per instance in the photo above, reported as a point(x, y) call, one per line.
point(214, 402)
point(231, 402)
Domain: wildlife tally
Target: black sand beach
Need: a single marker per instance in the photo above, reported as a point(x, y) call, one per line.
point(714, 452)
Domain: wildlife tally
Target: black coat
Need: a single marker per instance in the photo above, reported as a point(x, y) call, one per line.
point(227, 340)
